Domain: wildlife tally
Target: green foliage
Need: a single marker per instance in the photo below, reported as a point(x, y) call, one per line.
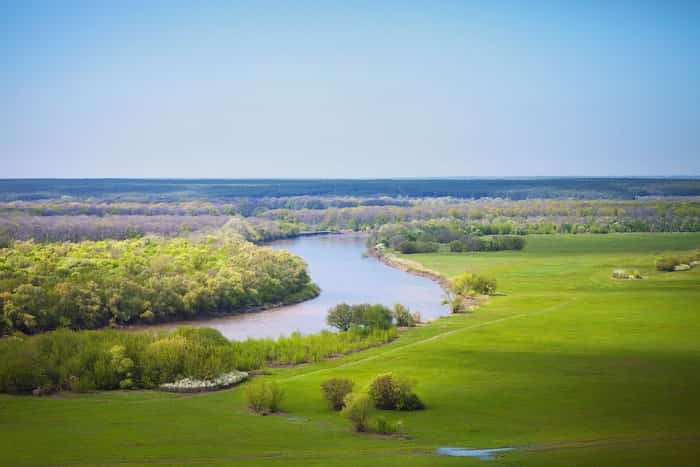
point(341, 317)
point(390, 392)
point(90, 284)
point(335, 390)
point(410, 247)
point(364, 315)
point(403, 316)
point(256, 395)
point(457, 246)
point(356, 410)
point(428, 236)
point(111, 359)
point(386, 427)
point(265, 398)
point(468, 284)
point(372, 316)
point(678, 263)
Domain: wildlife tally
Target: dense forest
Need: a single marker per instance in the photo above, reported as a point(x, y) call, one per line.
point(94, 284)
point(71, 220)
point(223, 189)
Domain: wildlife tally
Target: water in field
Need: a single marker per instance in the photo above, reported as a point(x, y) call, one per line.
point(336, 263)
point(483, 454)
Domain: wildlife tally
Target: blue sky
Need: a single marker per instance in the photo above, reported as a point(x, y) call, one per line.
point(349, 89)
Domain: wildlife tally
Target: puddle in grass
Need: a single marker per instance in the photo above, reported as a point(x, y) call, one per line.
point(483, 454)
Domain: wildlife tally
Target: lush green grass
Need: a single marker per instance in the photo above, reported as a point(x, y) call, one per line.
point(583, 369)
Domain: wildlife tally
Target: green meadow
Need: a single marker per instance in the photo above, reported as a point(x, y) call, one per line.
point(567, 364)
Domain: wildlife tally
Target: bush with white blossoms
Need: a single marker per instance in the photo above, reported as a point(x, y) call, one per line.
point(626, 275)
point(223, 381)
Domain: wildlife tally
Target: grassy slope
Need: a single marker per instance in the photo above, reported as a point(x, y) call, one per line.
point(588, 370)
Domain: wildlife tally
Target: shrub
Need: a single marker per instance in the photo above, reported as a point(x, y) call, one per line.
point(384, 391)
point(402, 316)
point(467, 284)
point(390, 392)
point(387, 427)
point(409, 247)
point(275, 397)
point(456, 246)
point(20, 371)
point(677, 263)
point(626, 275)
point(357, 410)
point(341, 317)
point(457, 304)
point(257, 398)
point(667, 264)
point(372, 316)
point(344, 316)
point(265, 398)
point(335, 390)
point(482, 285)
point(409, 400)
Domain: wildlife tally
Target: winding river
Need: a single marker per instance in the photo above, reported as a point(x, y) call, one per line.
point(336, 263)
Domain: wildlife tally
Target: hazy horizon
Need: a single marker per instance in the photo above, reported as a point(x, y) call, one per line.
point(358, 91)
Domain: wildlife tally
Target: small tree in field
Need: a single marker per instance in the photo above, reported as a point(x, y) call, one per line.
point(390, 392)
point(357, 410)
point(335, 390)
point(402, 316)
point(341, 317)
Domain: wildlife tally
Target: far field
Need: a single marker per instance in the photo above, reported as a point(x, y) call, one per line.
point(574, 367)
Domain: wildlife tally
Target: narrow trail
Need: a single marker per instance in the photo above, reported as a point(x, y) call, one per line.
point(433, 338)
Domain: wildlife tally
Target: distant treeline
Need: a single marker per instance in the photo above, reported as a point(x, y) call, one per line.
point(486, 217)
point(514, 217)
point(226, 189)
point(91, 284)
point(81, 227)
point(428, 236)
point(203, 207)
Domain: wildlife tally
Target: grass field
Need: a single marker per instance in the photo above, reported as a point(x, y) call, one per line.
point(571, 365)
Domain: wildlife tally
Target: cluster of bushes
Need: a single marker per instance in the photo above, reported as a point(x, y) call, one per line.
point(109, 359)
point(468, 285)
point(93, 284)
point(678, 263)
point(473, 284)
point(430, 236)
point(624, 274)
point(385, 392)
point(87, 360)
point(391, 392)
point(495, 243)
point(365, 316)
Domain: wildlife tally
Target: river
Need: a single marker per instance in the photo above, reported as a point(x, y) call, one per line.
point(336, 263)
